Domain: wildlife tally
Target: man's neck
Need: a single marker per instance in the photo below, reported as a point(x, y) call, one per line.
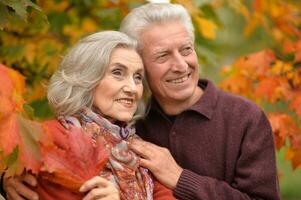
point(176, 107)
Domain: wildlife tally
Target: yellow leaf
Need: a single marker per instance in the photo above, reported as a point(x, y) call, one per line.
point(289, 154)
point(18, 82)
point(189, 5)
point(38, 92)
point(16, 168)
point(239, 7)
point(88, 25)
point(206, 27)
point(278, 35)
point(49, 6)
point(30, 52)
point(287, 67)
point(252, 24)
point(276, 10)
point(277, 68)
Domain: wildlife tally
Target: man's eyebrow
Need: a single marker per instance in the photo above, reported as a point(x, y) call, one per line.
point(160, 51)
point(187, 43)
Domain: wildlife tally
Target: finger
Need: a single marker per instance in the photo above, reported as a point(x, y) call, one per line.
point(11, 194)
point(101, 193)
point(16, 187)
point(142, 148)
point(110, 198)
point(94, 182)
point(30, 179)
point(146, 164)
point(96, 193)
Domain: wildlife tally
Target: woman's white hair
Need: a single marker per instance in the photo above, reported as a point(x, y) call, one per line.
point(155, 13)
point(72, 86)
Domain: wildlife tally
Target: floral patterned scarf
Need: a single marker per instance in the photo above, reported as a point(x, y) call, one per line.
point(122, 168)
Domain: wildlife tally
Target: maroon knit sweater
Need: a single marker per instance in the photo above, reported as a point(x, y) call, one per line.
point(224, 144)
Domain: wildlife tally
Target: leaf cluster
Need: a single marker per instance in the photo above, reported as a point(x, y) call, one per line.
point(272, 77)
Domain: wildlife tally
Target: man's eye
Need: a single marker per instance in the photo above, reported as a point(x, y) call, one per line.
point(162, 57)
point(186, 51)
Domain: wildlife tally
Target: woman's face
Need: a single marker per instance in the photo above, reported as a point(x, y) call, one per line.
point(119, 91)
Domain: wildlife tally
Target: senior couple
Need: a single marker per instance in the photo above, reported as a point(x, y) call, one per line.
point(198, 141)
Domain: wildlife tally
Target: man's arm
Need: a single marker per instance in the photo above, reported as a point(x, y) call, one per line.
point(255, 174)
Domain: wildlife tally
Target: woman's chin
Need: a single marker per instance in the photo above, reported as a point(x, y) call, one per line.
point(121, 118)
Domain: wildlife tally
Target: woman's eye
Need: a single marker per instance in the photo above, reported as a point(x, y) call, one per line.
point(138, 77)
point(117, 72)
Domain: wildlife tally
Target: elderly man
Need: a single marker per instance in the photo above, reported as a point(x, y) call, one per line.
point(222, 144)
point(212, 145)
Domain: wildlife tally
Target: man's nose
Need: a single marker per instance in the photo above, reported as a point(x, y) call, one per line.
point(179, 64)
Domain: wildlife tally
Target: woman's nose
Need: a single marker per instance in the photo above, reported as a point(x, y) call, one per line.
point(130, 86)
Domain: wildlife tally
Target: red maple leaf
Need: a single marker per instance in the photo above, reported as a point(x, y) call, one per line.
point(74, 158)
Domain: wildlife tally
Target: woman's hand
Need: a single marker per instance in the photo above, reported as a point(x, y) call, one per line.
point(16, 189)
point(99, 188)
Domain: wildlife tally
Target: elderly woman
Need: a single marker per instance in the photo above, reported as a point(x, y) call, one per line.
point(97, 89)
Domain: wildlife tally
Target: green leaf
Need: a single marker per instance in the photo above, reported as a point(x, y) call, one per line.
point(4, 16)
point(12, 158)
point(57, 21)
point(110, 18)
point(29, 111)
point(209, 12)
point(20, 6)
point(42, 109)
point(12, 53)
point(289, 57)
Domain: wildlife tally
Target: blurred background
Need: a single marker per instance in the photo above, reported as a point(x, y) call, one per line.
point(248, 47)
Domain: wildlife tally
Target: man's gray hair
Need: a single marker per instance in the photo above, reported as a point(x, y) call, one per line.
point(72, 86)
point(155, 13)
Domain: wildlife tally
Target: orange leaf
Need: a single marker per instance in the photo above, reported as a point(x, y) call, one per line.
point(256, 64)
point(283, 127)
point(25, 135)
point(74, 159)
point(295, 157)
point(296, 104)
point(237, 84)
point(258, 5)
point(16, 131)
point(11, 101)
point(267, 89)
point(289, 154)
point(9, 137)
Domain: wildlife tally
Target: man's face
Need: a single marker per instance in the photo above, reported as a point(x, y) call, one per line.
point(170, 62)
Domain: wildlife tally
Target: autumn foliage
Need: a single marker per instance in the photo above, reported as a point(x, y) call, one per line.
point(45, 148)
point(272, 77)
point(33, 38)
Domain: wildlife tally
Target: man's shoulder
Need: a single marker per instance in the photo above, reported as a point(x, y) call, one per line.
point(237, 104)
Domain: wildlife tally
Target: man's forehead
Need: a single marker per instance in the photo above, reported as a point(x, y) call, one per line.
point(166, 46)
